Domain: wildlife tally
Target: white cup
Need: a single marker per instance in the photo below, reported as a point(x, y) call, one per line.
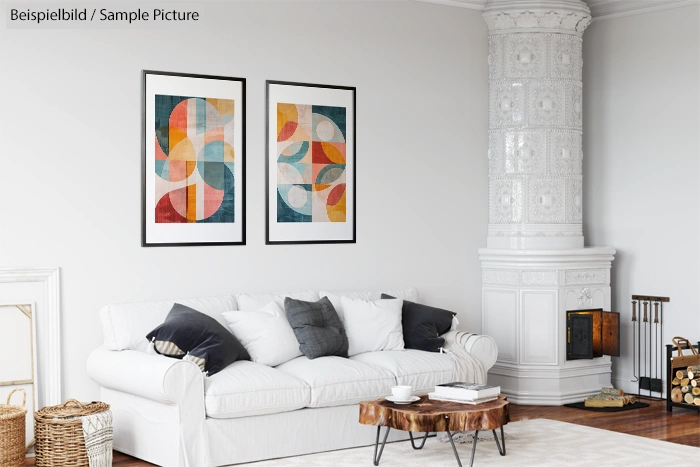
point(402, 393)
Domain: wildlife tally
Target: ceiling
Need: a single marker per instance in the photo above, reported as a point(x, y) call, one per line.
point(600, 9)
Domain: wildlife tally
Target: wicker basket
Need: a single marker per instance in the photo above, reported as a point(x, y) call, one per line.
point(58, 431)
point(12, 432)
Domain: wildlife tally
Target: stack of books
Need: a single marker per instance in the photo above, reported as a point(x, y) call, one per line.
point(466, 393)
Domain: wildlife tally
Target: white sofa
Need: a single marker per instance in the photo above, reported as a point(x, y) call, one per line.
point(166, 412)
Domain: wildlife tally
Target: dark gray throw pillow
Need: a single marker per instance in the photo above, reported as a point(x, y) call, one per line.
point(192, 335)
point(317, 327)
point(423, 325)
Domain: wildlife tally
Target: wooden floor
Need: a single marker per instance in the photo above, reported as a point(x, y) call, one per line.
point(682, 426)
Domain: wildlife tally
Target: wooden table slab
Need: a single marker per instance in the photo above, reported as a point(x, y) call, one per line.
point(428, 415)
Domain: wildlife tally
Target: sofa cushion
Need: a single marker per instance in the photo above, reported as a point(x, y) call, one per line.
point(192, 335)
point(340, 381)
point(317, 327)
point(125, 325)
point(423, 325)
point(266, 334)
point(417, 368)
point(372, 326)
point(335, 297)
point(252, 302)
point(245, 388)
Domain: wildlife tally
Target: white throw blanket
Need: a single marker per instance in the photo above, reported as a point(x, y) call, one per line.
point(467, 369)
point(97, 430)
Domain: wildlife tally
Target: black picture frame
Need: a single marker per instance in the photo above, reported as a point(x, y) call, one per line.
point(349, 157)
point(240, 157)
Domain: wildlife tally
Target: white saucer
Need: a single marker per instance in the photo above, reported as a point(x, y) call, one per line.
point(398, 401)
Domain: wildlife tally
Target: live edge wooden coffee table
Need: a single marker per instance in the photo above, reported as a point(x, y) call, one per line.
point(426, 416)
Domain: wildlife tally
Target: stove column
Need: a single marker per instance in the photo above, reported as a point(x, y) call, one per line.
point(535, 116)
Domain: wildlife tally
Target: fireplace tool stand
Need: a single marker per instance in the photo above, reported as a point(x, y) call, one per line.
point(648, 344)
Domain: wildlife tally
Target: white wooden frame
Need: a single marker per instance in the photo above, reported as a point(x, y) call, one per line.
point(47, 319)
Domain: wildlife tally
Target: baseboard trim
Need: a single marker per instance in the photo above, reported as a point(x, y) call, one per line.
point(526, 398)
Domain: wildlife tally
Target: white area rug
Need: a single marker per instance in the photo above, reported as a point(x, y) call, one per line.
point(536, 443)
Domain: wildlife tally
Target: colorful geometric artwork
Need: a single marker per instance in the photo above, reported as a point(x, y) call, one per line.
point(311, 180)
point(194, 160)
point(310, 189)
point(193, 156)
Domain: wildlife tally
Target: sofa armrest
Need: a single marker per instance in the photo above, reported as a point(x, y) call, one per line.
point(483, 348)
point(153, 377)
point(164, 380)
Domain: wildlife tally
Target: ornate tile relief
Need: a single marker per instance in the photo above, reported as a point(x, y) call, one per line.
point(506, 201)
point(539, 277)
point(565, 54)
point(574, 201)
point(546, 201)
point(496, 153)
point(526, 55)
point(496, 56)
point(574, 106)
point(525, 152)
point(546, 104)
point(506, 105)
point(565, 154)
point(585, 276)
point(500, 276)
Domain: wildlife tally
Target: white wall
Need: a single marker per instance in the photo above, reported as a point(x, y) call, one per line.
point(70, 143)
point(642, 164)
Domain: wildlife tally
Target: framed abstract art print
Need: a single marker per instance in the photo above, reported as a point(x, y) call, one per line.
point(310, 165)
point(193, 182)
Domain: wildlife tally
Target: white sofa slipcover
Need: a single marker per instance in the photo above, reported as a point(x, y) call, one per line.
point(340, 381)
point(248, 388)
point(167, 413)
point(422, 370)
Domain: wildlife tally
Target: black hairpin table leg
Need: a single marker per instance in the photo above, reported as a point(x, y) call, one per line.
point(500, 444)
point(410, 434)
point(376, 444)
point(503, 440)
point(454, 449)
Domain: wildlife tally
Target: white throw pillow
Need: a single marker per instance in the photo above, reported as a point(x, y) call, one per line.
point(372, 325)
point(266, 334)
point(406, 294)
